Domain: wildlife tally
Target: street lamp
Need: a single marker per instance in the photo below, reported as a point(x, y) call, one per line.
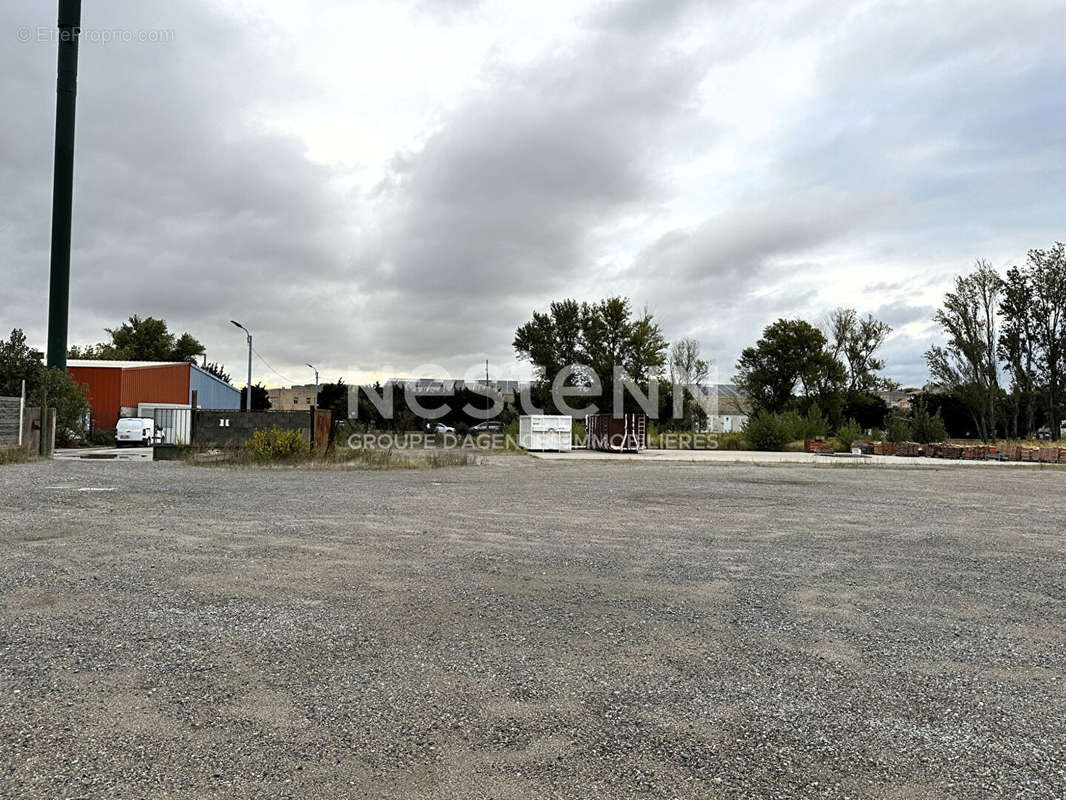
point(312, 366)
point(249, 335)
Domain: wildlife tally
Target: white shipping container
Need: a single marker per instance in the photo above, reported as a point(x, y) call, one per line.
point(546, 432)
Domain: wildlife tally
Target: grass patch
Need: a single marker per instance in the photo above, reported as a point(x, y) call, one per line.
point(15, 455)
point(337, 458)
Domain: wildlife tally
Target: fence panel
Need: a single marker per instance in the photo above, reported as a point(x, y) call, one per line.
point(10, 421)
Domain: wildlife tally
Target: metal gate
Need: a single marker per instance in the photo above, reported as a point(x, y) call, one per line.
point(173, 423)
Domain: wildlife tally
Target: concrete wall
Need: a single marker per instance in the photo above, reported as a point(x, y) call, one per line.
point(234, 428)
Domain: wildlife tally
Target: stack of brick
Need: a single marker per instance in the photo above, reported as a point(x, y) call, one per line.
point(818, 445)
point(884, 448)
point(1052, 455)
point(910, 449)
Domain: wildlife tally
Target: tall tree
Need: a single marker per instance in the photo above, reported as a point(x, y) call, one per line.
point(18, 362)
point(791, 357)
point(688, 368)
point(601, 338)
point(551, 341)
point(855, 340)
point(1018, 347)
point(218, 369)
point(1048, 270)
point(968, 363)
point(686, 362)
point(260, 396)
point(142, 339)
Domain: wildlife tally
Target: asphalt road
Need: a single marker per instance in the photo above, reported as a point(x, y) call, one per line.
point(528, 629)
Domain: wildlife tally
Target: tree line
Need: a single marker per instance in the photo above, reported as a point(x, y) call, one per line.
point(1005, 352)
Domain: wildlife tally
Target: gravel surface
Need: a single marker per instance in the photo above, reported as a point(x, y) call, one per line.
point(526, 629)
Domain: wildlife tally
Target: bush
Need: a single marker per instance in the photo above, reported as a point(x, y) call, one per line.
point(899, 429)
point(15, 455)
point(847, 433)
point(928, 427)
point(766, 431)
point(277, 444)
point(795, 425)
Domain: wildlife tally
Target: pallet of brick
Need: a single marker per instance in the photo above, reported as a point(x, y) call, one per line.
point(908, 449)
point(884, 448)
point(1049, 455)
point(1012, 452)
point(818, 445)
point(1030, 454)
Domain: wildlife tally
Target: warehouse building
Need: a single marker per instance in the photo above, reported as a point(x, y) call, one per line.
point(142, 388)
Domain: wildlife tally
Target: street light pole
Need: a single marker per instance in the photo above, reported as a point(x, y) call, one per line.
point(63, 182)
point(312, 366)
point(249, 335)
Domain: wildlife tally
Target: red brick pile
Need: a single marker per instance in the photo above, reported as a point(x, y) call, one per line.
point(819, 445)
point(972, 452)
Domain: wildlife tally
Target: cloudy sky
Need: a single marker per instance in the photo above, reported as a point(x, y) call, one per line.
point(384, 186)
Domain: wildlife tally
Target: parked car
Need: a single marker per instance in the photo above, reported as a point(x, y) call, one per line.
point(137, 431)
point(440, 427)
point(488, 426)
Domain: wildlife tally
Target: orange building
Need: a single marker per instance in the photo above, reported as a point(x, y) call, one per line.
point(117, 388)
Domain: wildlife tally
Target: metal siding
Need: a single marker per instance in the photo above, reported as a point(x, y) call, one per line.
point(627, 433)
point(167, 383)
point(212, 393)
point(105, 391)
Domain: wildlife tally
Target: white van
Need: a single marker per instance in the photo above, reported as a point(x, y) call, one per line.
point(135, 431)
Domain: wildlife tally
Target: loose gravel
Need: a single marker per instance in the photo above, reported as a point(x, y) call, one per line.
point(527, 629)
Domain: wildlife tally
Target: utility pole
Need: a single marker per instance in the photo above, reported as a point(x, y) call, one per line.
point(63, 182)
point(312, 366)
point(249, 335)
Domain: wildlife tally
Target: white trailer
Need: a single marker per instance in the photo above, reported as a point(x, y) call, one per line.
point(545, 432)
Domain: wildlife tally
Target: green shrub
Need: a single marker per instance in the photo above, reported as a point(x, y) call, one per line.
point(847, 433)
point(794, 424)
point(928, 427)
point(15, 455)
point(766, 431)
point(814, 424)
point(277, 444)
point(899, 429)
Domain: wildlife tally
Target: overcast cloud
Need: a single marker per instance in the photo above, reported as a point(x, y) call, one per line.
point(378, 186)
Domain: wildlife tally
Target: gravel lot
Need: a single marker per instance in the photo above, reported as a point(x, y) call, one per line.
point(527, 629)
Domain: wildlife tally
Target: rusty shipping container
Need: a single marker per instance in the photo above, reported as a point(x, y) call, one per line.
point(608, 433)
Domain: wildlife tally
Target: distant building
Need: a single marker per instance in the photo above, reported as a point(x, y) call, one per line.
point(898, 399)
point(292, 398)
point(727, 409)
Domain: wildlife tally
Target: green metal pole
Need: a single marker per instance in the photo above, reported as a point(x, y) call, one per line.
point(63, 181)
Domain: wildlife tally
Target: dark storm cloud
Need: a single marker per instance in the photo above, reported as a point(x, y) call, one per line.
point(498, 209)
point(184, 208)
point(927, 136)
